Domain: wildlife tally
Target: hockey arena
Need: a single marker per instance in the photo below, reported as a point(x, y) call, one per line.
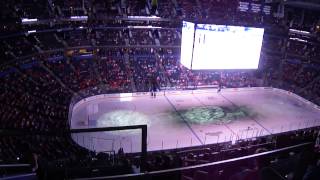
point(160, 89)
point(230, 115)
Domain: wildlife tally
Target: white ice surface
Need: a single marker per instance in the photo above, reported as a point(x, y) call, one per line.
point(276, 112)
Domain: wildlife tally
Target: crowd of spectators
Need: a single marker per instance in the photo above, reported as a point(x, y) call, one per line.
point(143, 69)
point(96, 10)
point(299, 69)
point(27, 44)
point(39, 77)
point(74, 73)
point(25, 107)
point(114, 74)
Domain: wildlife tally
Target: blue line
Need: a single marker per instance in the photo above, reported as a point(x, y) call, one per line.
point(194, 133)
point(250, 118)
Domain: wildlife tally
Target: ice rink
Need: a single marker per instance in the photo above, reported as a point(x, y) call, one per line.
point(179, 119)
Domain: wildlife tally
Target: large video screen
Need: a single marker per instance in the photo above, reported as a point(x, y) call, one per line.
point(226, 47)
point(187, 43)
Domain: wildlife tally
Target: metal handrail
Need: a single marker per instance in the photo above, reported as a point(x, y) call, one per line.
point(14, 165)
point(18, 176)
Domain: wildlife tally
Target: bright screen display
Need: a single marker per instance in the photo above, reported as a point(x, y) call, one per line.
point(187, 43)
point(224, 47)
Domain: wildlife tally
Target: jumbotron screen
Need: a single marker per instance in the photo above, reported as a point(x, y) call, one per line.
point(187, 43)
point(226, 47)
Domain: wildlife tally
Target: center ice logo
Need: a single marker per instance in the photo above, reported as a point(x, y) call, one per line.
point(215, 114)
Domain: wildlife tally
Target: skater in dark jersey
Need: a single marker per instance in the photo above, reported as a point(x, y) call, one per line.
point(219, 88)
point(154, 86)
point(219, 85)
